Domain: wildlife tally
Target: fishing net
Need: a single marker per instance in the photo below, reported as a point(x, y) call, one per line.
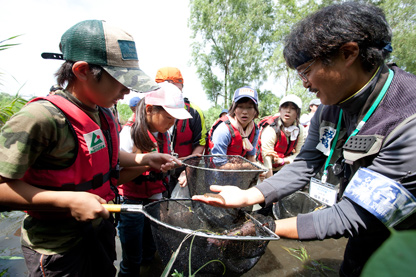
point(204, 171)
point(294, 204)
point(228, 235)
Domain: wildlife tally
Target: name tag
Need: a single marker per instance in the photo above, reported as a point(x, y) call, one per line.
point(383, 197)
point(323, 192)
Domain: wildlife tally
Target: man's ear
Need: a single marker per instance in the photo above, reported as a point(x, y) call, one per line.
point(350, 52)
point(81, 70)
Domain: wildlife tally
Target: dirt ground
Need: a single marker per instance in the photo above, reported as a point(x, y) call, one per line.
point(326, 256)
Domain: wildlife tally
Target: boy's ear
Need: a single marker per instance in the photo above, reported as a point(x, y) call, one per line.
point(81, 70)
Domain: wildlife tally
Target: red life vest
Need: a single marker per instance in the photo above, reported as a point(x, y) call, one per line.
point(182, 137)
point(130, 123)
point(95, 164)
point(151, 181)
point(283, 147)
point(236, 145)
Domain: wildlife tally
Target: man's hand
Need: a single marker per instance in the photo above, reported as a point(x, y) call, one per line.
point(231, 197)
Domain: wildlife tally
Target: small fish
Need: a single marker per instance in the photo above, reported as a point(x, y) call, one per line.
point(208, 194)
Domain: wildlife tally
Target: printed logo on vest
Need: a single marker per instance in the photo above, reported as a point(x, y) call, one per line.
point(327, 134)
point(95, 141)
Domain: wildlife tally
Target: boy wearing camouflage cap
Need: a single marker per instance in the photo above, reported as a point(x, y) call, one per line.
point(60, 155)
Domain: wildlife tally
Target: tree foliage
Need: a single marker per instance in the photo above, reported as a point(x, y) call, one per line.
point(211, 116)
point(269, 103)
point(401, 16)
point(232, 43)
point(9, 104)
point(124, 112)
point(240, 43)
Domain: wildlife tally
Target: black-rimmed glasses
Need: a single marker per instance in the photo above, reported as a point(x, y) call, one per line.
point(302, 75)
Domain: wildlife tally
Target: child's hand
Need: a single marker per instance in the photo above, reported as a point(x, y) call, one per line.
point(85, 206)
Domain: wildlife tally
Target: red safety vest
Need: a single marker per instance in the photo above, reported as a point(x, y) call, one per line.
point(183, 136)
point(151, 181)
point(130, 123)
point(283, 147)
point(95, 165)
point(236, 145)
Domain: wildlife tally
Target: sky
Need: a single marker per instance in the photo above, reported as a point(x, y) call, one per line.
point(159, 27)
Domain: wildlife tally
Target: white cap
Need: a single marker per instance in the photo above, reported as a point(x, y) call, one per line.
point(291, 98)
point(170, 98)
point(315, 102)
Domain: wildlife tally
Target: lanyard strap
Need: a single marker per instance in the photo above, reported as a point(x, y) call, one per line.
point(360, 125)
point(375, 104)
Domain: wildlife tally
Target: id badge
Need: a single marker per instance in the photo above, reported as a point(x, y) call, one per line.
point(323, 192)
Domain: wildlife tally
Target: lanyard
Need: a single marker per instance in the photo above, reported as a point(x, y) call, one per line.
point(359, 126)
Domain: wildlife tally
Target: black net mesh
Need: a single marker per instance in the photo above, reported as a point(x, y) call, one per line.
point(294, 204)
point(204, 171)
point(224, 234)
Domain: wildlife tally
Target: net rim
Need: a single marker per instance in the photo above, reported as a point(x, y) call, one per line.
point(260, 169)
point(199, 233)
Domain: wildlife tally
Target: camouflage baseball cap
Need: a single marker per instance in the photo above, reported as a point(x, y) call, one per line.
point(96, 42)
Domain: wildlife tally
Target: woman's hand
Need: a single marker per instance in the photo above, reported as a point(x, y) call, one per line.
point(162, 162)
point(276, 159)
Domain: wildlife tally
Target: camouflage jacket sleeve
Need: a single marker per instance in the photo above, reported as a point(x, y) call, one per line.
point(37, 135)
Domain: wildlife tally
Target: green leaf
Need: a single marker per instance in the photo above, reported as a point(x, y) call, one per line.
point(395, 257)
point(168, 267)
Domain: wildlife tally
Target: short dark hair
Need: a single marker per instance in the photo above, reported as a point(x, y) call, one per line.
point(234, 105)
point(65, 74)
point(321, 34)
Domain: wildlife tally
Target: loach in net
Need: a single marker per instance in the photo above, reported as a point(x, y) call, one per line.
point(204, 171)
point(294, 204)
point(227, 236)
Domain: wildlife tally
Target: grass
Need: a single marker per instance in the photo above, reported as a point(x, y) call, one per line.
point(302, 255)
point(175, 255)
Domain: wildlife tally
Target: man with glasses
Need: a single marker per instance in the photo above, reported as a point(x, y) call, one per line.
point(367, 121)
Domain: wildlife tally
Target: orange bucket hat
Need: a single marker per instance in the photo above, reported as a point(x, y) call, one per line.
point(169, 73)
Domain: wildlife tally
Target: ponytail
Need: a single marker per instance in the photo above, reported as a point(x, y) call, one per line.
point(140, 129)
